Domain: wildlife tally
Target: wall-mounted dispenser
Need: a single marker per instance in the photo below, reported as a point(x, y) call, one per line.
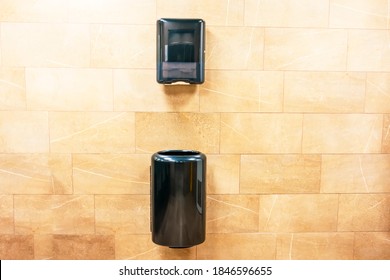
point(180, 51)
point(178, 198)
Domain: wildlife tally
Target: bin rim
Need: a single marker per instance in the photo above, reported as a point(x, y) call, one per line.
point(179, 153)
point(176, 155)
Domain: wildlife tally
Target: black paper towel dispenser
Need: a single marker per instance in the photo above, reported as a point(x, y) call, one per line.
point(180, 51)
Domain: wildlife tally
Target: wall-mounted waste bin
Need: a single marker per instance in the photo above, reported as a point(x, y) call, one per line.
point(178, 198)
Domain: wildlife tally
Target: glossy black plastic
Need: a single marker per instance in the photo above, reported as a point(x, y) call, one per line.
point(180, 50)
point(178, 198)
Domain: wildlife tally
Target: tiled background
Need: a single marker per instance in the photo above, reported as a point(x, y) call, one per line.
point(294, 117)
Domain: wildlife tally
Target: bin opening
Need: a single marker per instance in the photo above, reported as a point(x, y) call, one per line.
point(178, 153)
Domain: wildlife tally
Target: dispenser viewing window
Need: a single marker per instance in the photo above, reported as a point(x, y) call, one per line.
point(180, 51)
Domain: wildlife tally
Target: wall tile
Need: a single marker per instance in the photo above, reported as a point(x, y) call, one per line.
point(6, 214)
point(223, 172)
point(91, 132)
point(12, 88)
point(305, 49)
point(54, 214)
point(16, 247)
point(186, 131)
point(358, 14)
point(230, 91)
point(271, 91)
point(386, 134)
point(111, 174)
point(279, 213)
point(137, 90)
point(218, 12)
point(23, 132)
point(238, 246)
point(342, 133)
point(83, 247)
point(117, 214)
point(43, 247)
point(261, 133)
point(75, 247)
point(244, 52)
point(48, 45)
point(35, 174)
point(372, 246)
point(69, 89)
point(112, 11)
point(378, 93)
point(123, 46)
point(315, 246)
point(372, 42)
point(232, 213)
point(242, 91)
point(36, 11)
point(280, 174)
point(324, 92)
point(287, 13)
point(141, 247)
point(355, 173)
point(364, 212)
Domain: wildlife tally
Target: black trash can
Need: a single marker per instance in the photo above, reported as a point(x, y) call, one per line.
point(178, 198)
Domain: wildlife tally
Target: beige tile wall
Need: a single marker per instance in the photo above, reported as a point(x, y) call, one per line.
point(294, 117)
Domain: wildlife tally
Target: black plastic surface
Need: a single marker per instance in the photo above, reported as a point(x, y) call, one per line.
point(178, 196)
point(180, 50)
